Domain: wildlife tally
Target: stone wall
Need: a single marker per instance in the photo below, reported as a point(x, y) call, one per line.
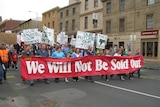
point(8, 38)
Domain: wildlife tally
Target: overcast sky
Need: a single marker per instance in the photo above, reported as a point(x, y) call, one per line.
point(18, 9)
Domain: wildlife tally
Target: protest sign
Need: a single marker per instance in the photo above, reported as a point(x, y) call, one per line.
point(101, 41)
point(58, 38)
point(62, 38)
point(84, 39)
point(46, 67)
point(19, 39)
point(65, 39)
point(30, 36)
point(73, 41)
point(47, 36)
point(22, 37)
point(40, 36)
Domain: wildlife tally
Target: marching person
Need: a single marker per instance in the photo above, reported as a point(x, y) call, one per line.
point(14, 58)
point(138, 71)
point(65, 49)
point(68, 56)
point(28, 52)
point(89, 52)
point(45, 53)
point(111, 51)
point(1, 71)
point(106, 54)
point(119, 53)
point(58, 54)
point(76, 54)
point(5, 58)
point(130, 74)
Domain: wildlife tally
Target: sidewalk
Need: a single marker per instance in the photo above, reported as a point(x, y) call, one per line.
point(152, 66)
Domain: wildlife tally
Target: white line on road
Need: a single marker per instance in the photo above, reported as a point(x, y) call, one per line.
point(128, 90)
point(125, 89)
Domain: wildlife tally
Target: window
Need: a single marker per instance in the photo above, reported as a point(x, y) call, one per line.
point(48, 15)
point(108, 26)
point(66, 27)
point(48, 24)
point(73, 24)
point(143, 48)
point(121, 25)
point(61, 14)
point(67, 12)
point(108, 7)
point(95, 23)
point(149, 2)
point(95, 3)
point(86, 22)
point(121, 44)
point(149, 21)
point(121, 5)
point(86, 4)
point(53, 24)
point(156, 49)
point(74, 10)
point(109, 44)
point(149, 49)
point(61, 25)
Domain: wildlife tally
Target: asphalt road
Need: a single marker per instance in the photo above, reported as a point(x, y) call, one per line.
point(115, 93)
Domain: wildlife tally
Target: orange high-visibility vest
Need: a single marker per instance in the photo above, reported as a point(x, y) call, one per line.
point(4, 55)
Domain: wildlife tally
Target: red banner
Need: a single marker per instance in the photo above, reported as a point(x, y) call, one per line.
point(47, 67)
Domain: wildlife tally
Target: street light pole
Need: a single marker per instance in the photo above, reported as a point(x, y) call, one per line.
point(36, 17)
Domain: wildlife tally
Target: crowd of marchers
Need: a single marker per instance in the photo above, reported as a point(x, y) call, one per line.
point(9, 57)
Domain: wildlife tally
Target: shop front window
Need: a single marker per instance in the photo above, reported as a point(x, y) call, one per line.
point(156, 49)
point(143, 48)
point(149, 49)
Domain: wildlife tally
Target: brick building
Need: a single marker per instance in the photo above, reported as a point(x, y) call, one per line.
point(6, 25)
point(68, 19)
point(133, 24)
point(29, 24)
point(91, 17)
point(50, 19)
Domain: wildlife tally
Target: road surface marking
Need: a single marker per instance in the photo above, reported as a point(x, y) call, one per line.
point(125, 89)
point(10, 76)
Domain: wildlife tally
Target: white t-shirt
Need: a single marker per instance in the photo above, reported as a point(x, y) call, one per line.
point(116, 54)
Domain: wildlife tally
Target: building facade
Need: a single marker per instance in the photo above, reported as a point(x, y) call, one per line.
point(0, 19)
point(29, 24)
point(50, 19)
point(133, 24)
point(69, 21)
point(73, 1)
point(6, 25)
point(91, 16)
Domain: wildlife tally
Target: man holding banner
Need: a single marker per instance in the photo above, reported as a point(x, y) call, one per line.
point(89, 52)
point(28, 52)
point(45, 53)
